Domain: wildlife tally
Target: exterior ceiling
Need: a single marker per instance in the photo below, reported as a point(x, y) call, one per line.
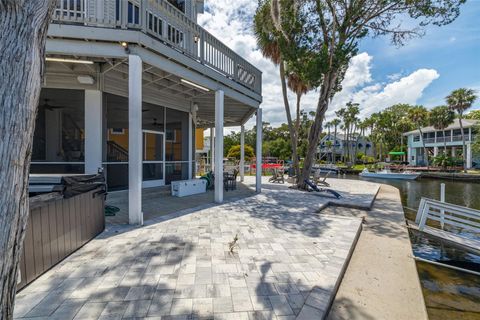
point(159, 87)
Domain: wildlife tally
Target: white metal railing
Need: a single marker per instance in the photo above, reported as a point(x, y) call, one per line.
point(447, 214)
point(446, 139)
point(163, 21)
point(71, 9)
point(459, 138)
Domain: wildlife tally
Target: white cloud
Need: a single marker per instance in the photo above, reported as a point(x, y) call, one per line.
point(395, 76)
point(358, 86)
point(232, 23)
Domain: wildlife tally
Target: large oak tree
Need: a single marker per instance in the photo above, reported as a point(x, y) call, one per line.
point(24, 26)
point(321, 36)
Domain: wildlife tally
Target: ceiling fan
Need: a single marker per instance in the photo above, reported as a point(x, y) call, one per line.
point(156, 124)
point(207, 123)
point(48, 106)
point(126, 109)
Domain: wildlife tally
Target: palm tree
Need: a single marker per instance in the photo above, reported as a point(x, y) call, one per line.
point(269, 45)
point(460, 100)
point(440, 118)
point(327, 126)
point(335, 122)
point(419, 116)
point(350, 120)
point(362, 126)
point(300, 88)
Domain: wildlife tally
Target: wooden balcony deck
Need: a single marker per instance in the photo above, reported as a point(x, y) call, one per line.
point(165, 23)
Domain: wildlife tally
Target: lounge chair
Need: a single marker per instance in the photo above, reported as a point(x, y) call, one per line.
point(210, 178)
point(319, 181)
point(314, 187)
point(277, 177)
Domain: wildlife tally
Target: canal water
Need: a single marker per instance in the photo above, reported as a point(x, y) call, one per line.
point(448, 294)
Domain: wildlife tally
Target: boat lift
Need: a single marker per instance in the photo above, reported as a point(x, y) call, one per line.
point(439, 214)
point(451, 215)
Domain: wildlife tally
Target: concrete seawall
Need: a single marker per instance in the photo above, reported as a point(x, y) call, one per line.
point(381, 280)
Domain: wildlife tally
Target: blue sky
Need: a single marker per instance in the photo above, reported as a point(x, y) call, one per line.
point(423, 71)
point(452, 50)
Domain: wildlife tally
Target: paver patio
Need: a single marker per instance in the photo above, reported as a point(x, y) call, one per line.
point(287, 264)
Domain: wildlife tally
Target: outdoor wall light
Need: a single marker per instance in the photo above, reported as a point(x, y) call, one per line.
point(125, 46)
point(196, 38)
point(194, 85)
point(86, 79)
point(68, 60)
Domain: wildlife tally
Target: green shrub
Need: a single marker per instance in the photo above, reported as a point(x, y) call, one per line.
point(442, 160)
point(234, 152)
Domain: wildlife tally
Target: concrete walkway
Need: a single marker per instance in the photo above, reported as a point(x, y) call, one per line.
point(381, 281)
point(288, 263)
point(158, 201)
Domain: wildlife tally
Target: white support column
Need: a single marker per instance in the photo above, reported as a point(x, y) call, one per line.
point(258, 173)
point(190, 147)
point(219, 95)
point(242, 153)
point(469, 156)
point(93, 131)
point(435, 150)
point(212, 149)
point(135, 214)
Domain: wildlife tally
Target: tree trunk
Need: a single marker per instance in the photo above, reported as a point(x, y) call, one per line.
point(381, 152)
point(334, 145)
point(364, 143)
point(315, 130)
point(293, 136)
point(24, 26)
point(401, 147)
point(297, 133)
point(356, 149)
point(463, 144)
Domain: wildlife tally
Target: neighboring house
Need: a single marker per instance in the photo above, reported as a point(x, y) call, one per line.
point(126, 85)
point(435, 141)
point(338, 147)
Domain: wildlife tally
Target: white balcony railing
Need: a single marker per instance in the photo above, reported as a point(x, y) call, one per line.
point(447, 139)
point(163, 21)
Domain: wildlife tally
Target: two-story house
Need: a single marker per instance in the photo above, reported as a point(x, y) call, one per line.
point(331, 148)
point(436, 140)
point(127, 82)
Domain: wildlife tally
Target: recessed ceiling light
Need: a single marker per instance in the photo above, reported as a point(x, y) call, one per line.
point(68, 60)
point(195, 85)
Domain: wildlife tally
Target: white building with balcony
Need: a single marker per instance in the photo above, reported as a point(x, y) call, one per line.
point(437, 140)
point(126, 85)
point(334, 149)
